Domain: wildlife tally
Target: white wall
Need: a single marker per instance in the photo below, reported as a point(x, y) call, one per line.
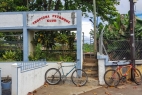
point(11, 20)
point(66, 69)
point(33, 79)
point(6, 69)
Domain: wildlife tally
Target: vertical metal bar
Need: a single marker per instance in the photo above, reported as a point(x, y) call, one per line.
point(101, 41)
point(132, 35)
point(0, 84)
point(25, 37)
point(83, 46)
point(79, 40)
point(90, 46)
point(95, 38)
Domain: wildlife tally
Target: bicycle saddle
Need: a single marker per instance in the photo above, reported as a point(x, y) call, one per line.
point(115, 63)
point(60, 63)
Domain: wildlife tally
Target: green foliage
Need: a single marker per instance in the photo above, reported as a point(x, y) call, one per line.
point(37, 54)
point(87, 48)
point(66, 58)
point(1, 35)
point(71, 39)
point(21, 8)
point(7, 5)
point(118, 28)
point(9, 55)
point(19, 55)
point(105, 9)
point(13, 5)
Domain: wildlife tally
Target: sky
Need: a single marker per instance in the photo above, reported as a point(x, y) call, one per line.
point(123, 8)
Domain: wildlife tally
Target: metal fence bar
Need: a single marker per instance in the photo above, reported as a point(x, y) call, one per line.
point(101, 41)
point(26, 66)
point(0, 84)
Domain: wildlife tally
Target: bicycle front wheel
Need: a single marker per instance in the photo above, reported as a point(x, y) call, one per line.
point(111, 78)
point(79, 77)
point(137, 76)
point(52, 76)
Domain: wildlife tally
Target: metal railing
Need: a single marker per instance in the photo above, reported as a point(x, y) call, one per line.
point(31, 65)
point(0, 84)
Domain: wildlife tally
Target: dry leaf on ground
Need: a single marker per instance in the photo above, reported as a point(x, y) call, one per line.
point(107, 93)
point(95, 93)
point(34, 91)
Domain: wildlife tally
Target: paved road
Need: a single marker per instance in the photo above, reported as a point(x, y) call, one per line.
point(126, 89)
point(63, 89)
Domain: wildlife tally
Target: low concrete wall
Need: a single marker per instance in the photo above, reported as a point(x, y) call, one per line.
point(6, 69)
point(28, 81)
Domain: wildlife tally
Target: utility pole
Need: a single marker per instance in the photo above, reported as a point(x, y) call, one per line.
point(132, 34)
point(95, 37)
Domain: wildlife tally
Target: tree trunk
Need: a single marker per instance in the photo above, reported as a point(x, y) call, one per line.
point(57, 5)
point(49, 5)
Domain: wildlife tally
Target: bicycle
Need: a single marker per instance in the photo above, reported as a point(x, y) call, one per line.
point(53, 75)
point(115, 76)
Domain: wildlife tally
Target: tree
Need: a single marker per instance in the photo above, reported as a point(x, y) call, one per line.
point(6, 5)
point(12, 5)
point(116, 37)
point(105, 9)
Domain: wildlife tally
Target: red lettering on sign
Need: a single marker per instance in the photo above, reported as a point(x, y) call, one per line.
point(39, 19)
point(51, 20)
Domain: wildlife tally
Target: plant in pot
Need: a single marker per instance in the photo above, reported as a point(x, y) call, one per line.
point(6, 83)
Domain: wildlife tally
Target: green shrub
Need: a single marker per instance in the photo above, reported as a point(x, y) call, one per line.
point(9, 55)
point(37, 54)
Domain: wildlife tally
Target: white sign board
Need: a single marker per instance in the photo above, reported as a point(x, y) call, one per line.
point(11, 20)
point(52, 19)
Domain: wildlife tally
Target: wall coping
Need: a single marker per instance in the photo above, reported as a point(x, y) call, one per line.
point(110, 63)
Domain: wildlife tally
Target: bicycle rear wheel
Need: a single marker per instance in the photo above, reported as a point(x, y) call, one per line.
point(111, 78)
point(79, 77)
point(137, 76)
point(52, 76)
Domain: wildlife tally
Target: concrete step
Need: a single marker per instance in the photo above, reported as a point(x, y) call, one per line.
point(90, 69)
point(89, 55)
point(91, 72)
point(91, 60)
point(85, 64)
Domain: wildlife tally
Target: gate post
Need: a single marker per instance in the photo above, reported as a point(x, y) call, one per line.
point(0, 83)
point(102, 60)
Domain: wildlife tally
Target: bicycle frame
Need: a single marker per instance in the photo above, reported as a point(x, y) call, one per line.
point(74, 67)
point(119, 69)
